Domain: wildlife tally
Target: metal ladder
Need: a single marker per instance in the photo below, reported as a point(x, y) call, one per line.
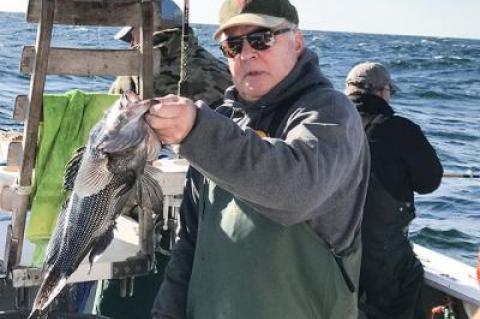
point(43, 59)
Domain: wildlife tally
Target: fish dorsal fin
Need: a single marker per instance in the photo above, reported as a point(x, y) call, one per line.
point(149, 192)
point(71, 169)
point(93, 176)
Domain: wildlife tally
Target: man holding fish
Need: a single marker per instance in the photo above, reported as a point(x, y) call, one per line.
point(271, 213)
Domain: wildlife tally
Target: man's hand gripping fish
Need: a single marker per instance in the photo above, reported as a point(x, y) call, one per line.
point(109, 171)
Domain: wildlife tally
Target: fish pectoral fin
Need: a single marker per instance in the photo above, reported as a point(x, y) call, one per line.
point(71, 169)
point(149, 192)
point(101, 243)
point(93, 176)
point(129, 183)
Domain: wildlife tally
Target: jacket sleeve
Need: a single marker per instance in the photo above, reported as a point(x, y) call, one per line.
point(290, 180)
point(423, 165)
point(171, 298)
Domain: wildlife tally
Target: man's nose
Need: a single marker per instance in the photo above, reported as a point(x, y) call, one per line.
point(247, 51)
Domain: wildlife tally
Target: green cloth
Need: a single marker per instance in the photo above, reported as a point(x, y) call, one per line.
point(67, 120)
point(248, 266)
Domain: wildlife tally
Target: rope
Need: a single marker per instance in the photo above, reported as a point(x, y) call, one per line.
point(185, 53)
point(23, 190)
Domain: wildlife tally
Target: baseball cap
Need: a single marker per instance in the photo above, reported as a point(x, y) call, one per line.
point(368, 77)
point(171, 16)
point(263, 13)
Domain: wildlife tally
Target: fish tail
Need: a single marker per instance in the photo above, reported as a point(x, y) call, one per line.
point(52, 285)
point(34, 314)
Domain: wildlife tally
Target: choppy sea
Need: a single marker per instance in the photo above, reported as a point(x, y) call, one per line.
point(439, 80)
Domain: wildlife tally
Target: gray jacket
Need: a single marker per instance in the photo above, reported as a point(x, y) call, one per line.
point(314, 168)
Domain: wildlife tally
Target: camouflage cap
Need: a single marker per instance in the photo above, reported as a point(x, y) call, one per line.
point(368, 77)
point(170, 17)
point(262, 13)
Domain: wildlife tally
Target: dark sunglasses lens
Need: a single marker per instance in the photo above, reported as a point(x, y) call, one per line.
point(231, 47)
point(260, 40)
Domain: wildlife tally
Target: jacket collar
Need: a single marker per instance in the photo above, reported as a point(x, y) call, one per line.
point(372, 104)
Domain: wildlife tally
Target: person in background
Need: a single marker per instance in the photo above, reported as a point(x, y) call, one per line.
point(208, 78)
point(403, 162)
point(271, 213)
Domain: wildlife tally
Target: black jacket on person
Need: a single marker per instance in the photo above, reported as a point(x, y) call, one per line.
point(401, 156)
point(402, 162)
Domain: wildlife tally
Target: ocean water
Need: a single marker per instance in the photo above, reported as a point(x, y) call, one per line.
point(439, 80)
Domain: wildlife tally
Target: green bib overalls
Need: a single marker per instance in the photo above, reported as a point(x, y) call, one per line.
point(248, 266)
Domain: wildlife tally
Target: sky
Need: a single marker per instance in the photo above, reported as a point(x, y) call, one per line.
point(443, 18)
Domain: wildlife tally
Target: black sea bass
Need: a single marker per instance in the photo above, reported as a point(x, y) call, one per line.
point(109, 171)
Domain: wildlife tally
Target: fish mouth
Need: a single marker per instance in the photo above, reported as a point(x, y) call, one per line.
point(136, 110)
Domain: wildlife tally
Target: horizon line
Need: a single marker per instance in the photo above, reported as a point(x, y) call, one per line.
point(460, 37)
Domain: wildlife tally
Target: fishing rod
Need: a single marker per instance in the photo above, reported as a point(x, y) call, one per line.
point(467, 174)
point(183, 89)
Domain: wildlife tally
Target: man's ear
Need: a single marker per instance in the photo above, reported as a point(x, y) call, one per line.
point(299, 42)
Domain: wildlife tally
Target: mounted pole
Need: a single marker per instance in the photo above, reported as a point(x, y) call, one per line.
point(183, 88)
point(468, 174)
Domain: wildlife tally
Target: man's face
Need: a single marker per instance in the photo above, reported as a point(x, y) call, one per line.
point(256, 72)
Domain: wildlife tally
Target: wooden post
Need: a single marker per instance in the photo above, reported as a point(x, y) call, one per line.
point(146, 48)
point(37, 85)
point(146, 227)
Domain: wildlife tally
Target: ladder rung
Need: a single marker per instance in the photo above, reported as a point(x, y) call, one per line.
point(91, 12)
point(15, 153)
point(74, 61)
point(20, 108)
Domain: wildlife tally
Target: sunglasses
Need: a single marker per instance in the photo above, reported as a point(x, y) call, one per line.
point(259, 40)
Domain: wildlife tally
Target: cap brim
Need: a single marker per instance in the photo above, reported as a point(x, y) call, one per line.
point(260, 20)
point(125, 34)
